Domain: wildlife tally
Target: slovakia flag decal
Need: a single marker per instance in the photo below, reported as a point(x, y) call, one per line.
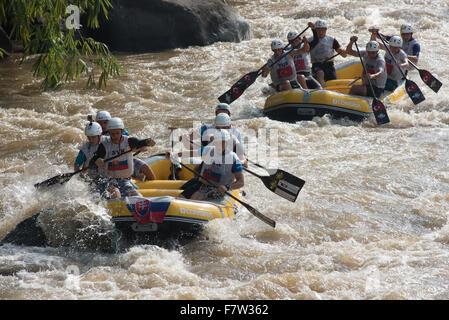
point(147, 210)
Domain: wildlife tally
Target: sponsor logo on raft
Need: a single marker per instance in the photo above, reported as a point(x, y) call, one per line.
point(195, 212)
point(275, 101)
point(346, 103)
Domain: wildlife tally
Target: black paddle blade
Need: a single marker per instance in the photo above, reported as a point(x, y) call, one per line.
point(284, 184)
point(238, 88)
point(259, 215)
point(430, 80)
point(59, 179)
point(414, 92)
point(380, 112)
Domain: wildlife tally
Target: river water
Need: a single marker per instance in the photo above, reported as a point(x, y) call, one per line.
point(370, 223)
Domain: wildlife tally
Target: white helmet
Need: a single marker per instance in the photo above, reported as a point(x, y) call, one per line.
point(93, 129)
point(395, 41)
point(406, 28)
point(222, 120)
point(115, 123)
point(292, 35)
point(103, 115)
point(320, 24)
point(223, 106)
point(372, 46)
point(276, 44)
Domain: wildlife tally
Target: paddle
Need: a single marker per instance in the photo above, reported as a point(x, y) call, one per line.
point(379, 110)
point(352, 82)
point(63, 178)
point(428, 78)
point(252, 210)
point(411, 87)
point(282, 183)
point(173, 167)
point(248, 79)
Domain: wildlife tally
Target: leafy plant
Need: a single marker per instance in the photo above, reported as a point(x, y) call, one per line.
point(64, 54)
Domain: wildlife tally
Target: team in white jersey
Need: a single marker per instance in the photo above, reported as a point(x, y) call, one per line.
point(311, 59)
point(375, 67)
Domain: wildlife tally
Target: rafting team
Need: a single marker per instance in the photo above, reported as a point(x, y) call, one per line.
point(308, 64)
point(221, 151)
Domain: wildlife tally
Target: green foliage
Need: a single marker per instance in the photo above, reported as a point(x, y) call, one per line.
point(64, 54)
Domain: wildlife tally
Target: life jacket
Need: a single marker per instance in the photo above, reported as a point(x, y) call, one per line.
point(302, 62)
point(373, 66)
point(121, 167)
point(322, 50)
point(408, 46)
point(220, 168)
point(282, 70)
point(393, 71)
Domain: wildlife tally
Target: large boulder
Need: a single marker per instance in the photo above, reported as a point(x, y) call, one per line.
point(156, 25)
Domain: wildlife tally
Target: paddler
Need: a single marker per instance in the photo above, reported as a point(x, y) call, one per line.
point(301, 57)
point(375, 66)
point(117, 173)
point(141, 170)
point(322, 48)
point(283, 72)
point(220, 165)
point(93, 132)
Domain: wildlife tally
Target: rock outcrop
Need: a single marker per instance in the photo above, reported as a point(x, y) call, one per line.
point(157, 25)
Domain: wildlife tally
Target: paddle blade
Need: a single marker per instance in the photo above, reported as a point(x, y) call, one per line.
point(380, 112)
point(284, 184)
point(59, 179)
point(238, 88)
point(430, 80)
point(414, 92)
point(259, 215)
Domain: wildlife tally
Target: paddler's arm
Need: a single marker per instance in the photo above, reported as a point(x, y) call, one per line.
point(378, 74)
point(336, 46)
point(315, 39)
point(266, 70)
point(98, 156)
point(237, 184)
point(135, 143)
point(79, 161)
point(349, 49)
point(305, 48)
point(374, 36)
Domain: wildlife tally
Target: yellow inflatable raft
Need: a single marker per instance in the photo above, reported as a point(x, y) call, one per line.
point(334, 99)
point(160, 213)
point(156, 217)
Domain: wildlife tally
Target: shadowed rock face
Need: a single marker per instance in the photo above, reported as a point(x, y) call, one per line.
point(156, 25)
point(5, 43)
